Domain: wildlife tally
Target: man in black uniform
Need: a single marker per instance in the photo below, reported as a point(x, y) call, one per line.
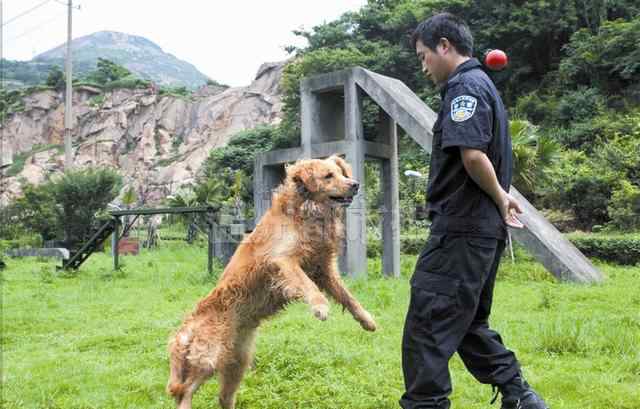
point(470, 209)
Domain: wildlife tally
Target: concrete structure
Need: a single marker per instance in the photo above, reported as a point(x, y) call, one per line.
point(331, 114)
point(60, 253)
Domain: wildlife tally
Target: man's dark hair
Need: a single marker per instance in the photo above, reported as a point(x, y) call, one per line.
point(448, 26)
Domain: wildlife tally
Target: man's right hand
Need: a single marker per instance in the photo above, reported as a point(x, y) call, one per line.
point(509, 208)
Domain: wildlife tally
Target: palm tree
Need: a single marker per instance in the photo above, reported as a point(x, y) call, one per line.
point(533, 153)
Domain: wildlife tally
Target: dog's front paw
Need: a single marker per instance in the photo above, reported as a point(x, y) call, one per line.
point(320, 311)
point(367, 322)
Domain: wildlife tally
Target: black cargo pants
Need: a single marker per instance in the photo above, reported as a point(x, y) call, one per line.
point(451, 295)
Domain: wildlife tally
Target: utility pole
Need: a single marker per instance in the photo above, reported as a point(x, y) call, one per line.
point(68, 119)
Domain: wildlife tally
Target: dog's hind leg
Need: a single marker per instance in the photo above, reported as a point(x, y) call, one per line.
point(233, 368)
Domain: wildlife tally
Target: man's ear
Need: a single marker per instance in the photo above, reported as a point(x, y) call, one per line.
point(302, 176)
point(343, 165)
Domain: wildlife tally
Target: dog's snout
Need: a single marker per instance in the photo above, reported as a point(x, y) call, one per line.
point(354, 186)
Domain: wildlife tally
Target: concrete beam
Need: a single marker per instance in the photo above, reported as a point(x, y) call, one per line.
point(59, 252)
point(550, 247)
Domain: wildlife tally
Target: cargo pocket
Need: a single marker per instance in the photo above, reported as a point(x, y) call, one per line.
point(482, 251)
point(433, 296)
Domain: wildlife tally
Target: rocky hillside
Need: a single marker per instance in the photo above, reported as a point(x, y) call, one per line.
point(138, 54)
point(157, 142)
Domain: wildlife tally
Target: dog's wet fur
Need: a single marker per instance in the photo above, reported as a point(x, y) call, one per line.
point(291, 255)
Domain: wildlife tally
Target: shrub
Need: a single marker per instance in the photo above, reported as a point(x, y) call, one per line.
point(535, 108)
point(67, 206)
point(129, 82)
point(622, 249)
point(79, 195)
point(56, 78)
point(580, 106)
point(37, 211)
point(624, 208)
point(579, 184)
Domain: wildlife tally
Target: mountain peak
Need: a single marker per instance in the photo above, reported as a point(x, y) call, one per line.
point(138, 54)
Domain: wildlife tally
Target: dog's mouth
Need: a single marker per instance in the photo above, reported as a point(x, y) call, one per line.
point(342, 200)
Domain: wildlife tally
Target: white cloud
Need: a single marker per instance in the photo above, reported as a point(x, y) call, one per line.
point(226, 40)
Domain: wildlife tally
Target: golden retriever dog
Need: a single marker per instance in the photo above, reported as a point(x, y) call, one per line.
point(291, 255)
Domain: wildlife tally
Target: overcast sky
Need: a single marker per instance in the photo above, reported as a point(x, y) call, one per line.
point(226, 40)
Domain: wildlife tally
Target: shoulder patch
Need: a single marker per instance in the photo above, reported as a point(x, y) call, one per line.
point(463, 108)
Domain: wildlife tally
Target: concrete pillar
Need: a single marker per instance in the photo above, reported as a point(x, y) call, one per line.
point(391, 211)
point(355, 255)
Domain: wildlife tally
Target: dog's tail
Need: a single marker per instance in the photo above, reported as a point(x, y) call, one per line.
point(178, 350)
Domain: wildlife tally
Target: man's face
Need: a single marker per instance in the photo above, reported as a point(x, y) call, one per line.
point(434, 64)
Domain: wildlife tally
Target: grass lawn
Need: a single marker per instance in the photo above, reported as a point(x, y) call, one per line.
point(97, 339)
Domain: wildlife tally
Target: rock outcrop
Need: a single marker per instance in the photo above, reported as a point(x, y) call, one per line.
point(157, 142)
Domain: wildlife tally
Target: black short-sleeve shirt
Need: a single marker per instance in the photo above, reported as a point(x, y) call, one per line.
point(472, 115)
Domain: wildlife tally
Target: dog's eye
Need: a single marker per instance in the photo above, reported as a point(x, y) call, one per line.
point(329, 176)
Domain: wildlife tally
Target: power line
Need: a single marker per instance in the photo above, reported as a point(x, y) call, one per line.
point(12, 19)
point(37, 27)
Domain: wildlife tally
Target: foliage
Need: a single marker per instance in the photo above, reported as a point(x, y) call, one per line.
point(38, 212)
point(129, 82)
point(622, 249)
point(175, 91)
point(579, 184)
point(226, 176)
point(579, 106)
point(96, 100)
point(107, 71)
point(214, 83)
point(55, 78)
point(624, 207)
point(11, 101)
point(66, 206)
point(129, 197)
point(607, 59)
point(79, 195)
point(24, 73)
point(533, 153)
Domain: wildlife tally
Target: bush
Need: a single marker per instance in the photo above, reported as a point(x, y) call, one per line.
point(536, 109)
point(579, 184)
point(80, 195)
point(67, 206)
point(624, 208)
point(56, 78)
point(622, 249)
point(580, 106)
point(37, 211)
point(129, 82)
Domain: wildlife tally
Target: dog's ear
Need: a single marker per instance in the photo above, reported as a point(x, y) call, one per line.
point(302, 176)
point(343, 165)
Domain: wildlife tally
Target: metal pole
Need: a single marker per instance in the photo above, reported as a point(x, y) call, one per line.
point(68, 160)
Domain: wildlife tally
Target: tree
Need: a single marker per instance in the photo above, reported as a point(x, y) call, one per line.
point(55, 78)
point(533, 153)
point(79, 195)
point(38, 212)
point(107, 71)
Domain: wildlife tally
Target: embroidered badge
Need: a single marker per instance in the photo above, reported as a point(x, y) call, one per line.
point(463, 108)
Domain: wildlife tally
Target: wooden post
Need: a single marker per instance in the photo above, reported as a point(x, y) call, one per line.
point(115, 236)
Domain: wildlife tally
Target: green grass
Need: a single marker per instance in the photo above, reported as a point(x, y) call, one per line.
point(97, 338)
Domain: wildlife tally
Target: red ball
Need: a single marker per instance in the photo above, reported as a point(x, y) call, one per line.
point(496, 60)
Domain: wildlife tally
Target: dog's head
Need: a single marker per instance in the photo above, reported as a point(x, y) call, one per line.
point(324, 180)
